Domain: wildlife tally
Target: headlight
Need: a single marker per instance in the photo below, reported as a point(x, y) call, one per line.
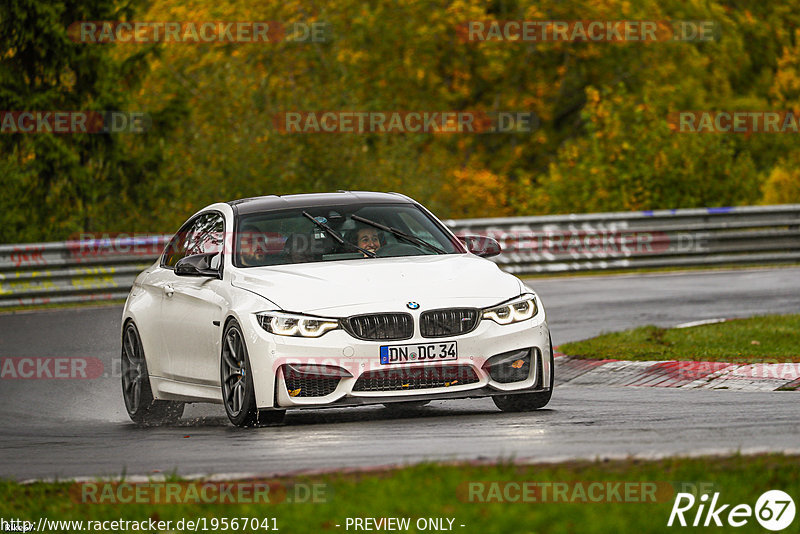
point(292, 324)
point(520, 309)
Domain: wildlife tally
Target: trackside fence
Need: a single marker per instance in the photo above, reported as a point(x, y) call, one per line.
point(103, 269)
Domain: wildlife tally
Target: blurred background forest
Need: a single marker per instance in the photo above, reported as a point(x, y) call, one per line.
point(603, 145)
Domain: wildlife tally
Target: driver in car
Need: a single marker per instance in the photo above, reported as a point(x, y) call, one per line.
point(368, 238)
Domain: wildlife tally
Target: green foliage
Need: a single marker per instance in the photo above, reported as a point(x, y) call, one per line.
point(629, 159)
point(603, 143)
point(56, 185)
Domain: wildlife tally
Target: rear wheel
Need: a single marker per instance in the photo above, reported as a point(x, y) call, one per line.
point(526, 402)
point(142, 408)
point(236, 378)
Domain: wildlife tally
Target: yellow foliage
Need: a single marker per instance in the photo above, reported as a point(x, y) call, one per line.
point(782, 186)
point(471, 192)
point(786, 85)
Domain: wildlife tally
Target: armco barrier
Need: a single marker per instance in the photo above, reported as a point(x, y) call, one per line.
point(74, 271)
point(646, 239)
point(85, 270)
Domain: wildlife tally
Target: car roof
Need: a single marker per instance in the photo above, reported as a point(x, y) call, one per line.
point(310, 200)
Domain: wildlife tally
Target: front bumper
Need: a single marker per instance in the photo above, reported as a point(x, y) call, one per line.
point(276, 359)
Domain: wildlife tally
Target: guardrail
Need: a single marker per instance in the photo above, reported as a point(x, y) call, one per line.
point(73, 271)
point(646, 239)
point(104, 269)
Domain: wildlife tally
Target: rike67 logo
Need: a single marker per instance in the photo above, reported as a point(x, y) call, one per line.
point(774, 510)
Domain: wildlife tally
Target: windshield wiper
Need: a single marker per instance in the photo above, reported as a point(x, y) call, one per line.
point(399, 233)
point(335, 235)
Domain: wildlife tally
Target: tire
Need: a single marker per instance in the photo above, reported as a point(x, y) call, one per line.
point(406, 405)
point(142, 408)
point(526, 402)
point(236, 381)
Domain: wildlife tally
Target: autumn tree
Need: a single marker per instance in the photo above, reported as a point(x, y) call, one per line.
point(55, 185)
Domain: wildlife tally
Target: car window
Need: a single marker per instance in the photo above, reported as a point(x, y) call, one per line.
point(204, 233)
point(289, 237)
point(414, 226)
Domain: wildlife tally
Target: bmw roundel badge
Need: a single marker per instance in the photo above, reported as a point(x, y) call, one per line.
point(412, 306)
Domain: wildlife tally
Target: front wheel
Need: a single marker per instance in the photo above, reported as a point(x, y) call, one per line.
point(526, 402)
point(142, 408)
point(236, 378)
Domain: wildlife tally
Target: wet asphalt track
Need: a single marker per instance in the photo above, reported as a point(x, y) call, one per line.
point(74, 428)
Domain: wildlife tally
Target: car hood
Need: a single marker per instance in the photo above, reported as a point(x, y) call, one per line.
point(380, 284)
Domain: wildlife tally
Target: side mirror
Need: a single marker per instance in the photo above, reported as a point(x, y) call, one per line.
point(481, 245)
point(197, 265)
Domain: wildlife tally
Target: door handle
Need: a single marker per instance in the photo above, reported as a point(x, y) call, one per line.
point(168, 290)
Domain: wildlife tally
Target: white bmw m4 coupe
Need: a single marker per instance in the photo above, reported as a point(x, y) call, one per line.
point(328, 300)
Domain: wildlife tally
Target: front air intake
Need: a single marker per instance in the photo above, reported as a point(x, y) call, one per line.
point(312, 380)
point(513, 366)
point(407, 379)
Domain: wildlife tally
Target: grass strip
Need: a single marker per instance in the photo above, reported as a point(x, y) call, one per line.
point(764, 339)
point(483, 498)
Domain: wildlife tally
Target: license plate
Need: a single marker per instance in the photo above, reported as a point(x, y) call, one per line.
point(419, 352)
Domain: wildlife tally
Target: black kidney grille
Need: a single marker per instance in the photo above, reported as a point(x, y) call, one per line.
point(448, 322)
point(381, 326)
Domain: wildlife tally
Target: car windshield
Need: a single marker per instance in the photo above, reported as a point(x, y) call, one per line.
point(335, 233)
